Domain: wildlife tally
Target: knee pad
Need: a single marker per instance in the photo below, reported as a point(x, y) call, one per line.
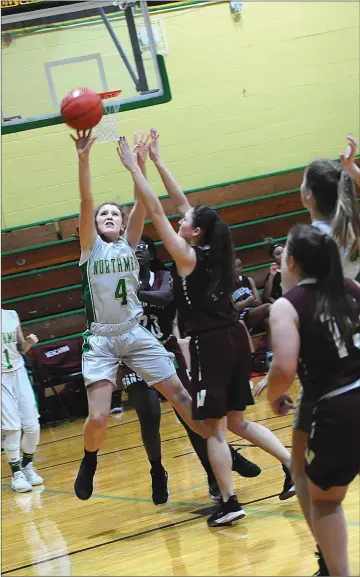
point(12, 445)
point(30, 438)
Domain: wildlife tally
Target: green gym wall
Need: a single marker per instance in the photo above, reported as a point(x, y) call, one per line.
point(269, 92)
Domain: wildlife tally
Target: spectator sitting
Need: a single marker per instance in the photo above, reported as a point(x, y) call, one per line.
point(248, 302)
point(272, 288)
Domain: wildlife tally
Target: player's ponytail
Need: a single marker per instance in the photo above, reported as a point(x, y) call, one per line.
point(318, 257)
point(215, 233)
point(334, 193)
point(346, 221)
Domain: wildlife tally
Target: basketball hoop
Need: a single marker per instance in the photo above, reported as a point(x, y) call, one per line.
point(107, 129)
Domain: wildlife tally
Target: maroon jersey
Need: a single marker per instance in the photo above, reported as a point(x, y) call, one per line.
point(198, 311)
point(325, 364)
point(158, 319)
point(242, 289)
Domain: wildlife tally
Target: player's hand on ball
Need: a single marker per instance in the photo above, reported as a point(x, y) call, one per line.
point(260, 387)
point(141, 148)
point(154, 145)
point(127, 156)
point(31, 340)
point(282, 405)
point(83, 142)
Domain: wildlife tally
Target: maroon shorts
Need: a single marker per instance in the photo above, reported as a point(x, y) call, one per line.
point(333, 453)
point(220, 372)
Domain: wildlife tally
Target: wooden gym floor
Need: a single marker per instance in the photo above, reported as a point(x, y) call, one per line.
point(120, 532)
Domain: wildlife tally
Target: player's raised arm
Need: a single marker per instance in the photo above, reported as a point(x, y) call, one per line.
point(183, 254)
point(137, 215)
point(83, 143)
point(348, 159)
point(173, 188)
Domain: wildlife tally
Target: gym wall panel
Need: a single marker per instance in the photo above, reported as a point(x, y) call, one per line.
point(266, 93)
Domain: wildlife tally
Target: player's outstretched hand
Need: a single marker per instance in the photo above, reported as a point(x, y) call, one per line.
point(154, 145)
point(83, 142)
point(127, 156)
point(141, 148)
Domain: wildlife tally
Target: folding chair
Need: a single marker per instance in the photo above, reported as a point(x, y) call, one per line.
point(57, 364)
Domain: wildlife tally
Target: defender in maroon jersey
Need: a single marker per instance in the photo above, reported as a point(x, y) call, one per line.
point(316, 332)
point(220, 352)
point(155, 294)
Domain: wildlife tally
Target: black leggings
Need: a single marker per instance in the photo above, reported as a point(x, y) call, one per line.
point(146, 403)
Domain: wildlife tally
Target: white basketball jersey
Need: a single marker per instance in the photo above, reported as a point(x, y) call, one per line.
point(110, 276)
point(11, 359)
point(350, 268)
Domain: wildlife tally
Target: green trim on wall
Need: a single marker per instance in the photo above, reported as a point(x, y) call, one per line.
point(76, 286)
point(42, 294)
point(20, 126)
point(52, 317)
point(257, 244)
point(171, 216)
point(39, 270)
point(37, 246)
point(160, 242)
point(190, 191)
point(60, 339)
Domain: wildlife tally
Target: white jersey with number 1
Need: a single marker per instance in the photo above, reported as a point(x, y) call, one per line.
point(11, 359)
point(110, 274)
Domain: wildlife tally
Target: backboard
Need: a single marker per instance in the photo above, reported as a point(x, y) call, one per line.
point(96, 44)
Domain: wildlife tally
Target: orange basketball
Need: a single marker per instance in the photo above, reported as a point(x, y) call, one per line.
point(82, 108)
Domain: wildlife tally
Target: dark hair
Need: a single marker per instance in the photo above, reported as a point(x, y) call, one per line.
point(215, 233)
point(97, 210)
point(334, 193)
point(156, 263)
point(272, 246)
point(318, 257)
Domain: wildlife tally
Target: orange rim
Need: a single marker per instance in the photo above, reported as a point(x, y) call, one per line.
point(109, 94)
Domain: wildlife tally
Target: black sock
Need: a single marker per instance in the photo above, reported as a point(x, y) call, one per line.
point(90, 457)
point(15, 467)
point(156, 465)
point(26, 459)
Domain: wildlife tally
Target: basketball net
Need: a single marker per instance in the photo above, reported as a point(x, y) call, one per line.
point(107, 129)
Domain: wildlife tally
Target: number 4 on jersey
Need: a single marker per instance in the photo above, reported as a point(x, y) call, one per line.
point(120, 292)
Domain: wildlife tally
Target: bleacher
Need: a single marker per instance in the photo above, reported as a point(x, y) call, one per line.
point(41, 278)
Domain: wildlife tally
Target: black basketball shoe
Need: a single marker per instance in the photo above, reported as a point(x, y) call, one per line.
point(323, 571)
point(243, 466)
point(226, 513)
point(160, 493)
point(289, 487)
point(83, 485)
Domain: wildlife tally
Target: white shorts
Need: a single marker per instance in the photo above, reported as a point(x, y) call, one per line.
point(137, 348)
point(18, 404)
